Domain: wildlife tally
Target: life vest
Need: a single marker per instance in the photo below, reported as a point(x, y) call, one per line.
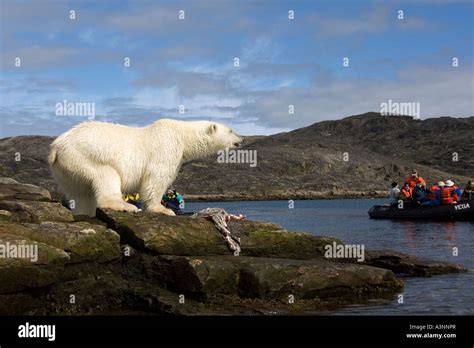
point(433, 191)
point(406, 193)
point(414, 181)
point(132, 197)
point(447, 195)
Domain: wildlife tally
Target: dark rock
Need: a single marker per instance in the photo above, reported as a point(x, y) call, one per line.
point(11, 189)
point(83, 242)
point(18, 274)
point(407, 265)
point(271, 278)
point(35, 211)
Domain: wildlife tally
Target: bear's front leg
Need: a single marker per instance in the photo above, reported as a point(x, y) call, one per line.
point(160, 209)
point(155, 186)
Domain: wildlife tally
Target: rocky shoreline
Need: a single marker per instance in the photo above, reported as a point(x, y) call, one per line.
point(122, 263)
point(285, 196)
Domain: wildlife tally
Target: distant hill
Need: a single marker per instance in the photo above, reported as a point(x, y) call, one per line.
point(431, 142)
point(304, 163)
point(308, 160)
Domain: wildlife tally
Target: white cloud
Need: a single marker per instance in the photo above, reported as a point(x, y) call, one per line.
point(440, 92)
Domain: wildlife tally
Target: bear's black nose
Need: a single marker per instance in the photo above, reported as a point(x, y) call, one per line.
point(239, 143)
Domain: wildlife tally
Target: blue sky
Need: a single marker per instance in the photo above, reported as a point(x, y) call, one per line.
point(190, 62)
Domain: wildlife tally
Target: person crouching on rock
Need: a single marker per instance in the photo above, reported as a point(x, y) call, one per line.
point(133, 198)
point(174, 201)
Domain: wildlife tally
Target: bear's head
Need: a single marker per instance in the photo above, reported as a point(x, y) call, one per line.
point(212, 137)
point(221, 137)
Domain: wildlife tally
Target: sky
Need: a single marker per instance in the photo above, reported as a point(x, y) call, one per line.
point(184, 67)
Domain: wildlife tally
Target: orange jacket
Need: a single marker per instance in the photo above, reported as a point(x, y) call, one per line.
point(406, 193)
point(448, 195)
point(414, 181)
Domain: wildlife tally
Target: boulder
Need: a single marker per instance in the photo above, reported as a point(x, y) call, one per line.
point(11, 189)
point(22, 271)
point(161, 234)
point(263, 239)
point(275, 279)
point(34, 211)
point(82, 241)
point(408, 265)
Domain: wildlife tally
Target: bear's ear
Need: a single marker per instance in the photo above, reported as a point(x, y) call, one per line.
point(212, 129)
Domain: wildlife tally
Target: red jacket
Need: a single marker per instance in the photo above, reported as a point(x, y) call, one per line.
point(432, 196)
point(414, 181)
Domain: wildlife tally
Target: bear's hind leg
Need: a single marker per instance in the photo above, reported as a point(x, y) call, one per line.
point(78, 193)
point(83, 205)
point(107, 188)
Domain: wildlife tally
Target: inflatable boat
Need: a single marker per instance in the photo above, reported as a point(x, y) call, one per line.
point(459, 211)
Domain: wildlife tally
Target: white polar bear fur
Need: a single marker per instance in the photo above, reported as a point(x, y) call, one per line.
point(94, 163)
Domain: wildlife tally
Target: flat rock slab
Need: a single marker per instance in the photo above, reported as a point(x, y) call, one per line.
point(11, 189)
point(263, 239)
point(270, 278)
point(34, 211)
point(165, 234)
point(186, 236)
point(82, 241)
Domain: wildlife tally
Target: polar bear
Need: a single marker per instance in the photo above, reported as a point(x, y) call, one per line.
point(94, 163)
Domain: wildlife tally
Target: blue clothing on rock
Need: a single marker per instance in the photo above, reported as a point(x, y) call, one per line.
point(175, 202)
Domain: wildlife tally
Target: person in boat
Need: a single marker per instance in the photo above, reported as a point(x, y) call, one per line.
point(420, 193)
point(457, 190)
point(448, 194)
point(434, 197)
point(405, 192)
point(468, 192)
point(414, 179)
point(174, 201)
point(394, 194)
point(133, 198)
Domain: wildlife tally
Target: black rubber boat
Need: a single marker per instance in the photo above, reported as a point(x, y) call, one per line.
point(459, 211)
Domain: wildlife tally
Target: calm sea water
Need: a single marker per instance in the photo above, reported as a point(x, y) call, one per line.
point(347, 219)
